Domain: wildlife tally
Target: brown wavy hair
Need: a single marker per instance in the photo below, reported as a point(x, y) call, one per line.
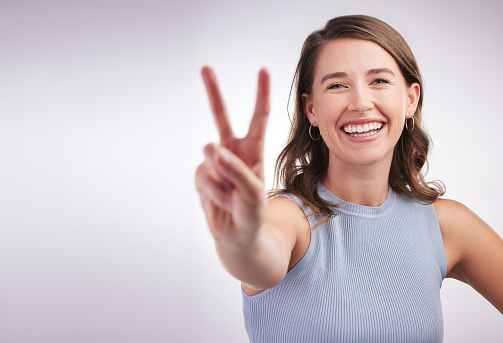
point(303, 163)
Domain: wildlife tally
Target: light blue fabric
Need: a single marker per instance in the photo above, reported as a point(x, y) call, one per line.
point(371, 274)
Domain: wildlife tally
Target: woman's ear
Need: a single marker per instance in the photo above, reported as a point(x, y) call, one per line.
point(413, 96)
point(309, 109)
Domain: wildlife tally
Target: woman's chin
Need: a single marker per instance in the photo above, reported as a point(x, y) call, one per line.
point(367, 158)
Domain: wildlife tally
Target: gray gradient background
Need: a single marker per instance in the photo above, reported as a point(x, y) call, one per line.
point(103, 116)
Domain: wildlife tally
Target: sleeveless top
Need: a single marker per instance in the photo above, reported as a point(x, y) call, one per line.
point(371, 274)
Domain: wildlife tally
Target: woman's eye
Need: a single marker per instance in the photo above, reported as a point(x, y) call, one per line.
point(335, 86)
point(380, 81)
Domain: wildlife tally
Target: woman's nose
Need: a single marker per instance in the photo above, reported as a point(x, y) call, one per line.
point(361, 100)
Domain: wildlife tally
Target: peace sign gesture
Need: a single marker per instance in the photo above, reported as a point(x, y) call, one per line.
point(230, 181)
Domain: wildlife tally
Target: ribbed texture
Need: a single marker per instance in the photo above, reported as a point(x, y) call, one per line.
point(371, 274)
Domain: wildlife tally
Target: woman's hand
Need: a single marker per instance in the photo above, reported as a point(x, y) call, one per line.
point(230, 181)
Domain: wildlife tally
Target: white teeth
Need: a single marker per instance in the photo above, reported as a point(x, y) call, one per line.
point(363, 134)
point(368, 127)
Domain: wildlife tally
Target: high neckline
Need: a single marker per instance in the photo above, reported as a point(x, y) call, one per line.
point(355, 209)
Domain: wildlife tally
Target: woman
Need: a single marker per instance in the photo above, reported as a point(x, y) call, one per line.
point(356, 244)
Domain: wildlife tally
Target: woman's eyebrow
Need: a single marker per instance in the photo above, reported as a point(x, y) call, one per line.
point(379, 70)
point(336, 75)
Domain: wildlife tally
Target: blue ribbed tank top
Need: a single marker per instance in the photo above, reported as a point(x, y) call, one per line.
point(371, 274)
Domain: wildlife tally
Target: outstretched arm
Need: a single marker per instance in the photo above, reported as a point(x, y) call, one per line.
point(474, 251)
point(254, 244)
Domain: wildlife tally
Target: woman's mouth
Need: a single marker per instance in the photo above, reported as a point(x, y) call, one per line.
point(362, 130)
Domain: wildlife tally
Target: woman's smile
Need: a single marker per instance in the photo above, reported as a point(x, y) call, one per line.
point(362, 130)
point(364, 133)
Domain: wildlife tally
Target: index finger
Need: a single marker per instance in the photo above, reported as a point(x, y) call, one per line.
point(217, 104)
point(259, 120)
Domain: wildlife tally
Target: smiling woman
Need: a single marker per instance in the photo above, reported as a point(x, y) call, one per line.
point(356, 244)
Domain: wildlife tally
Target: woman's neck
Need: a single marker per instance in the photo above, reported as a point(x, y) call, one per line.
point(365, 185)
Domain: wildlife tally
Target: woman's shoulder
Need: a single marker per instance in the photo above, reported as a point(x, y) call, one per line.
point(458, 221)
point(448, 206)
point(287, 211)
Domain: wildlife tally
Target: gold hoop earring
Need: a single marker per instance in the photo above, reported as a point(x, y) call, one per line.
point(310, 135)
point(407, 127)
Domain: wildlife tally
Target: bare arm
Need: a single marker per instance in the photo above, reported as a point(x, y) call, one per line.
point(253, 241)
point(474, 251)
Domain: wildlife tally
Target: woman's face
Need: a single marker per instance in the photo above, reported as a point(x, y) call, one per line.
point(359, 101)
